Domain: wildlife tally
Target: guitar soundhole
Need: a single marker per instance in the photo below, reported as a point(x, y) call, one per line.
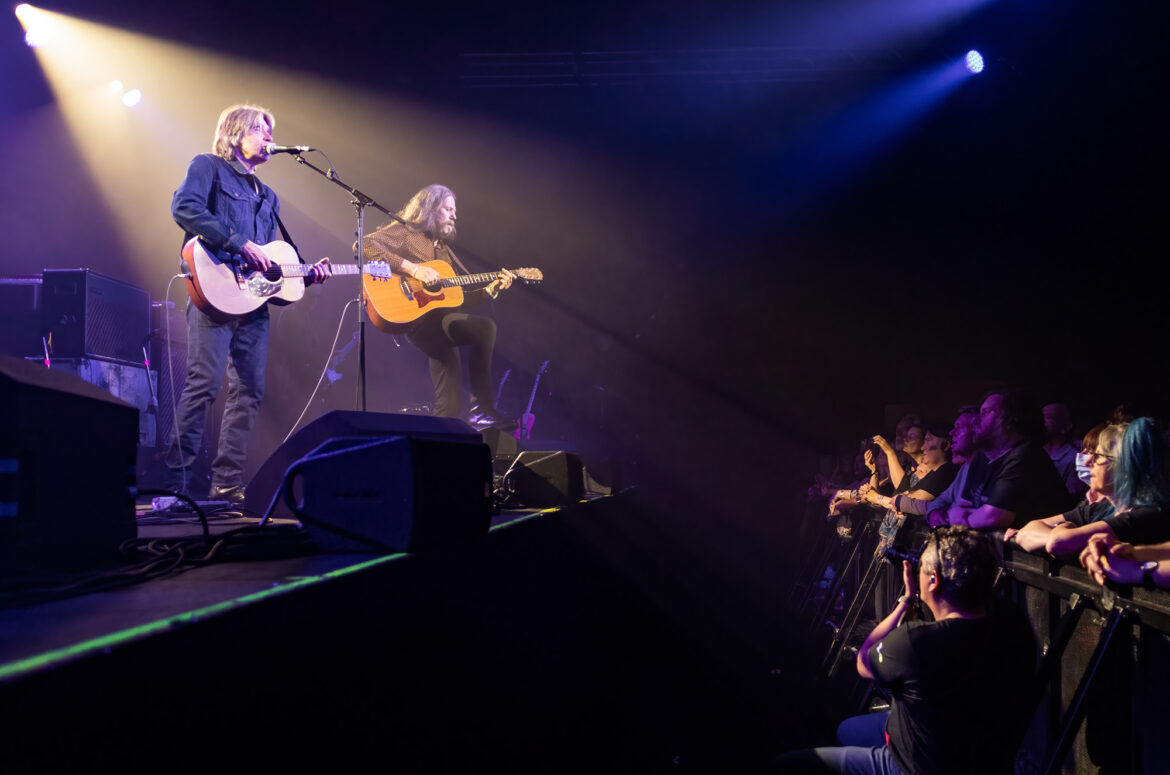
point(273, 273)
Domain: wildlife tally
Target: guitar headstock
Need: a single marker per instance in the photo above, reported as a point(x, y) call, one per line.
point(379, 269)
point(529, 275)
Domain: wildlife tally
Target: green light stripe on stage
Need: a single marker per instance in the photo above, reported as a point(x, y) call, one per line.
point(523, 518)
point(104, 643)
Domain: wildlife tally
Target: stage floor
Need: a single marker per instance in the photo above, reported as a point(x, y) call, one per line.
point(44, 635)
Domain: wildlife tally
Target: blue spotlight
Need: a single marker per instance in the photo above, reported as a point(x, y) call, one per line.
point(974, 61)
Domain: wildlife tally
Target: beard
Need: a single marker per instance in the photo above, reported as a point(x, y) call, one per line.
point(447, 233)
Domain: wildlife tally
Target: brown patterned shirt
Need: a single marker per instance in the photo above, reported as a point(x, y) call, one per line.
point(394, 243)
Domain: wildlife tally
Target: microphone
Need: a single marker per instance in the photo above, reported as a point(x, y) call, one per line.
point(272, 148)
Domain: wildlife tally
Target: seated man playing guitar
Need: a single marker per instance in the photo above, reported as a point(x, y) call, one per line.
point(429, 230)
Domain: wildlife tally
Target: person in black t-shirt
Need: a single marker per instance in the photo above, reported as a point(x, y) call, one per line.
point(956, 682)
point(1021, 483)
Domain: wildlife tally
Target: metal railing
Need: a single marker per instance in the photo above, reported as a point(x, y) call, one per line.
point(1098, 697)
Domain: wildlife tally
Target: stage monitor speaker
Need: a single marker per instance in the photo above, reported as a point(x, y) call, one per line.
point(262, 493)
point(391, 494)
point(67, 466)
point(89, 315)
point(544, 479)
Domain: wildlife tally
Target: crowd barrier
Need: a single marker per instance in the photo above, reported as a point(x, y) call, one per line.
point(1099, 693)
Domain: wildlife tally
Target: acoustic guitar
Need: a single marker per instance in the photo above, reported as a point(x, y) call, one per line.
point(394, 302)
point(224, 290)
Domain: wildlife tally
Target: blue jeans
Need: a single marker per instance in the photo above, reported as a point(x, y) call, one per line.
point(240, 346)
point(863, 751)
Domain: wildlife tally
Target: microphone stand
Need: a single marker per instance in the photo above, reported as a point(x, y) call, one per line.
point(360, 202)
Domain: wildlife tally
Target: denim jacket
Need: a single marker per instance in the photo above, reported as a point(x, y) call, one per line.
point(218, 203)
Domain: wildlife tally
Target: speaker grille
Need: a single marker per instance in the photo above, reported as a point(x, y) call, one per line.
point(90, 315)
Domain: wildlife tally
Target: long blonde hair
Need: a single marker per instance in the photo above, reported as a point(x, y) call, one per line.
point(234, 123)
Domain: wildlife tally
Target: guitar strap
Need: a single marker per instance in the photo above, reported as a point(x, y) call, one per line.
point(454, 258)
point(287, 238)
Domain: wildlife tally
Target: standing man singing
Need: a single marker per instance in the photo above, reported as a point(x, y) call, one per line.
point(224, 204)
point(427, 235)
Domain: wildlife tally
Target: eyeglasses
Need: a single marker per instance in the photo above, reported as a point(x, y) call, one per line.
point(1100, 458)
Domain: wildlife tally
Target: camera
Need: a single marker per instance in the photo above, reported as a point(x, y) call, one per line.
point(893, 555)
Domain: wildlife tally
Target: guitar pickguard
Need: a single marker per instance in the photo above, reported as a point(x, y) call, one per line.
point(424, 298)
point(261, 287)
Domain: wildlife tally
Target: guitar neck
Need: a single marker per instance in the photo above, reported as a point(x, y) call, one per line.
point(469, 279)
point(302, 270)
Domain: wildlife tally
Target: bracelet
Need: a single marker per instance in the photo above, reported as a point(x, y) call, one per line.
point(907, 599)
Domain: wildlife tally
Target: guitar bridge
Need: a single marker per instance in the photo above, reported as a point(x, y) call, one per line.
point(407, 291)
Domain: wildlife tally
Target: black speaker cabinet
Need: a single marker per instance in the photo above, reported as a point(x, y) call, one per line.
point(545, 479)
point(391, 493)
point(67, 466)
point(263, 492)
point(88, 315)
point(20, 316)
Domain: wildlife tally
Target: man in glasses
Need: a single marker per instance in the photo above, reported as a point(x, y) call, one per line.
point(234, 214)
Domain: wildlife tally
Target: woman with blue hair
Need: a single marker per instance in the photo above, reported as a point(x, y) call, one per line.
point(1134, 476)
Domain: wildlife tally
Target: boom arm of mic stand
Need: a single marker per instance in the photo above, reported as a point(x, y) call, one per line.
point(360, 197)
point(360, 202)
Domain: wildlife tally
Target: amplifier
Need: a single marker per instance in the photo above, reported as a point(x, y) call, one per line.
point(89, 315)
point(20, 316)
point(129, 382)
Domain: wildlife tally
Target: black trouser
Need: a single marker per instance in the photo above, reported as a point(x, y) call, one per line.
point(440, 335)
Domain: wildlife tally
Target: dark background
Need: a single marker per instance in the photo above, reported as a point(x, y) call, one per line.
point(742, 272)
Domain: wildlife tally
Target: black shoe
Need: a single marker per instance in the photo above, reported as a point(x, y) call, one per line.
point(233, 494)
point(484, 417)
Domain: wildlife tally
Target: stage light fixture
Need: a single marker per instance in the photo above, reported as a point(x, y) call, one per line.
point(132, 98)
point(974, 61)
point(34, 23)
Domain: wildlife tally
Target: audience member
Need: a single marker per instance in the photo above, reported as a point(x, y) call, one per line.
point(1107, 559)
point(913, 439)
point(902, 429)
point(1096, 506)
point(1057, 427)
point(964, 450)
point(933, 474)
point(950, 679)
point(1135, 473)
point(1020, 483)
